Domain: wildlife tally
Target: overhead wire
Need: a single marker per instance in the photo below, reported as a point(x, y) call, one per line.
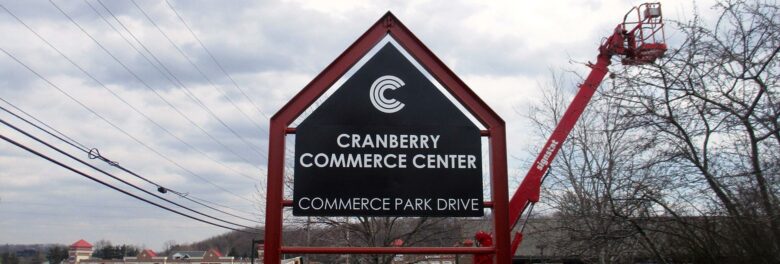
point(115, 177)
point(167, 102)
point(94, 154)
point(198, 69)
point(126, 68)
point(119, 128)
point(200, 103)
point(41, 155)
point(61, 136)
point(173, 44)
point(202, 74)
point(219, 65)
point(210, 54)
point(117, 96)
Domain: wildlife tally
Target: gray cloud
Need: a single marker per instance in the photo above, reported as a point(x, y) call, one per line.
point(272, 49)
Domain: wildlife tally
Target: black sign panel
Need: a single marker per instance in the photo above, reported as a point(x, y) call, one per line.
point(387, 143)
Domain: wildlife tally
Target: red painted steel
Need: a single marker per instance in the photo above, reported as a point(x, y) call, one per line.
point(516, 241)
point(285, 116)
point(484, 240)
point(289, 203)
point(388, 250)
point(496, 131)
point(495, 126)
point(274, 192)
point(628, 40)
point(528, 192)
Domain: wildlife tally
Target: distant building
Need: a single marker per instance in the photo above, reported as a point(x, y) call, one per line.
point(428, 259)
point(188, 254)
point(80, 252)
point(26, 253)
point(146, 256)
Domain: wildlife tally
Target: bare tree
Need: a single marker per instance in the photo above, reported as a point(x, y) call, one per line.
point(363, 231)
point(678, 161)
point(711, 112)
point(378, 232)
point(596, 182)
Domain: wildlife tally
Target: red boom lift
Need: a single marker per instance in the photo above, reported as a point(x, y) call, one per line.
point(638, 40)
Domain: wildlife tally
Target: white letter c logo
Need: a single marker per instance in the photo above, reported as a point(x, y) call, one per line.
point(378, 98)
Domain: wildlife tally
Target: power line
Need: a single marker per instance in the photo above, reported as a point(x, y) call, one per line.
point(66, 203)
point(41, 155)
point(200, 103)
point(176, 109)
point(118, 128)
point(203, 74)
point(115, 177)
point(227, 96)
point(211, 55)
point(69, 140)
point(94, 154)
point(219, 65)
point(117, 96)
point(131, 73)
point(187, 58)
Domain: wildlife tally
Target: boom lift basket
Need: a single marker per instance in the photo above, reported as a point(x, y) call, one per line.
point(643, 29)
point(638, 40)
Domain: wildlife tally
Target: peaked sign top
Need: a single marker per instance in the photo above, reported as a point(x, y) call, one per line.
point(389, 25)
point(388, 142)
point(387, 97)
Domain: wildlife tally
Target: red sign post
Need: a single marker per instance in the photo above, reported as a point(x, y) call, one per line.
point(280, 127)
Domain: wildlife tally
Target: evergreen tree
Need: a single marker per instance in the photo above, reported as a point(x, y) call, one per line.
point(57, 254)
point(8, 258)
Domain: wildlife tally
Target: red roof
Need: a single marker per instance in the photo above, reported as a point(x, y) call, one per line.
point(149, 253)
point(397, 243)
point(216, 252)
point(81, 244)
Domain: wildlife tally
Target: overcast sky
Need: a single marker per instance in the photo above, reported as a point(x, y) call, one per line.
point(504, 50)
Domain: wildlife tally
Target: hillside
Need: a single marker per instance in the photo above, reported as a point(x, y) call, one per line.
point(233, 243)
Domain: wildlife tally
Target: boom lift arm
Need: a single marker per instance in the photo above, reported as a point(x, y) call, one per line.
point(638, 40)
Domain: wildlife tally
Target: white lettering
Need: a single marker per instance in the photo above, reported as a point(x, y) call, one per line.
point(413, 141)
point(354, 161)
point(300, 203)
point(435, 139)
point(381, 141)
point(418, 165)
point(547, 154)
point(338, 140)
point(337, 161)
point(323, 157)
point(304, 164)
point(393, 141)
point(423, 141)
point(391, 165)
point(367, 143)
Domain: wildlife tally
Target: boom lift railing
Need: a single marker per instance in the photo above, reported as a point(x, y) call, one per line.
point(638, 40)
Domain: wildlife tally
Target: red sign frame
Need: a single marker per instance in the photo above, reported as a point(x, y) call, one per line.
point(279, 128)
